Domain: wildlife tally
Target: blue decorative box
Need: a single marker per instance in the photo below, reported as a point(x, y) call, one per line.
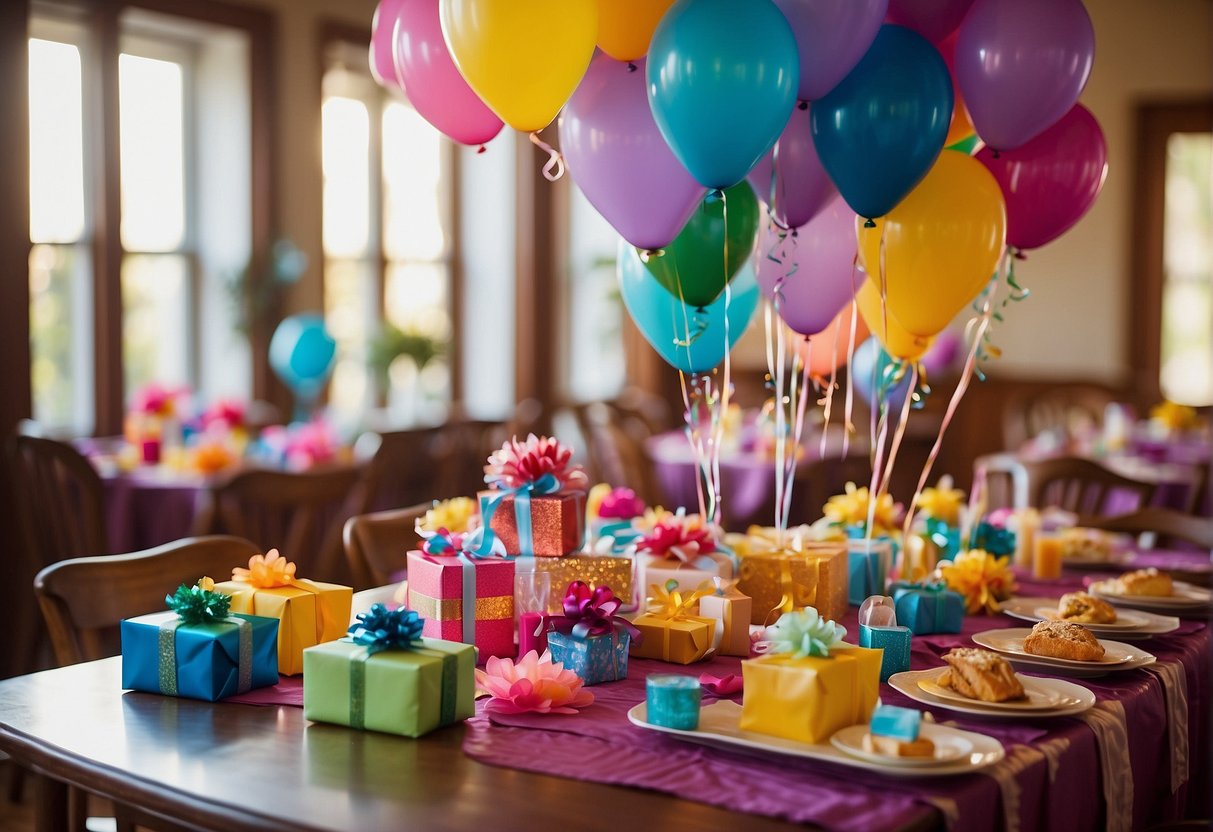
point(595, 658)
point(928, 608)
point(945, 537)
point(868, 567)
point(161, 654)
point(894, 641)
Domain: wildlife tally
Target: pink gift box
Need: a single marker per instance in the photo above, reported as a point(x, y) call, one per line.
point(436, 594)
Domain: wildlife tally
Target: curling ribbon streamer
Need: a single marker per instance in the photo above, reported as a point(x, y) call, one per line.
point(554, 168)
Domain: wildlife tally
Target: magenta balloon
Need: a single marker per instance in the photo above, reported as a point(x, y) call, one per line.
point(619, 159)
point(802, 186)
point(933, 19)
point(831, 36)
point(941, 356)
point(821, 259)
point(1021, 65)
point(383, 68)
point(429, 77)
point(1053, 180)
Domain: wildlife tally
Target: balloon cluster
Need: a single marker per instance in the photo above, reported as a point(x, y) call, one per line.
point(833, 113)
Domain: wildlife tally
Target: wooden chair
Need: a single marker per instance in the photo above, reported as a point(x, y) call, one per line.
point(410, 466)
point(1061, 409)
point(1080, 485)
point(376, 544)
point(300, 514)
point(819, 480)
point(1164, 522)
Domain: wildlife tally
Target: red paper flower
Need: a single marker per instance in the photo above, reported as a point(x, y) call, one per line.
point(681, 536)
point(519, 463)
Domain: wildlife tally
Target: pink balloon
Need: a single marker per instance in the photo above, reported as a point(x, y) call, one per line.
point(933, 19)
point(383, 24)
point(1021, 65)
point(429, 77)
point(831, 36)
point(1053, 180)
point(817, 264)
point(619, 159)
point(802, 186)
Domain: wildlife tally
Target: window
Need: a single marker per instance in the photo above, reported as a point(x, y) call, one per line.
point(595, 309)
point(183, 191)
point(387, 247)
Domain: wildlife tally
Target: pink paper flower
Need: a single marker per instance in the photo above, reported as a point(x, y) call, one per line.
point(229, 412)
point(518, 463)
point(532, 685)
point(680, 535)
point(621, 504)
point(157, 399)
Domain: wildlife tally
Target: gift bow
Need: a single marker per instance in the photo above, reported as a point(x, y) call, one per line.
point(670, 603)
point(719, 586)
point(538, 459)
point(381, 628)
point(675, 537)
point(199, 604)
point(266, 571)
point(592, 612)
point(802, 634)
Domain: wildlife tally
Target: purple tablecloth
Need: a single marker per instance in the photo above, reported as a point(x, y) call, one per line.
point(1052, 776)
point(147, 508)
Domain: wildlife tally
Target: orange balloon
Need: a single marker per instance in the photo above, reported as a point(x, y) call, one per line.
point(625, 27)
point(831, 345)
point(961, 126)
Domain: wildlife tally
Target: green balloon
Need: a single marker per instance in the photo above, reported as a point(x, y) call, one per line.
point(693, 266)
point(966, 146)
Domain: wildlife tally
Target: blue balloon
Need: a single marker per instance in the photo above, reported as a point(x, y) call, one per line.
point(871, 370)
point(665, 321)
point(880, 130)
point(302, 353)
point(722, 78)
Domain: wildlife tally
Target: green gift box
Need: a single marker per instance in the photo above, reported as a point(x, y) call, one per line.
point(407, 691)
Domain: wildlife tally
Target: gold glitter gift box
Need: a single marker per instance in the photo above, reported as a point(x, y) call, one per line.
point(790, 576)
point(595, 570)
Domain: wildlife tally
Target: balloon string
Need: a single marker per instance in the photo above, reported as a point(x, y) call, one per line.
point(849, 425)
point(829, 399)
point(554, 168)
point(798, 433)
point(901, 427)
point(693, 439)
point(727, 381)
point(690, 405)
point(962, 385)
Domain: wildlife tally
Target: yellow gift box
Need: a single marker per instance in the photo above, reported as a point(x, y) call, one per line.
point(808, 699)
point(309, 612)
point(792, 575)
point(680, 640)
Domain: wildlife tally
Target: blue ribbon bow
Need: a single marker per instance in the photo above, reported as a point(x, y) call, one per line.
point(384, 629)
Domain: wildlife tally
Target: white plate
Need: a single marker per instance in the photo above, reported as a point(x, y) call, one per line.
point(1124, 620)
point(1040, 697)
point(1151, 624)
point(1010, 642)
point(719, 727)
point(907, 683)
point(950, 746)
point(1184, 596)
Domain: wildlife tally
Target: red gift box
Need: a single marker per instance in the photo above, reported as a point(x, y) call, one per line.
point(436, 594)
point(557, 522)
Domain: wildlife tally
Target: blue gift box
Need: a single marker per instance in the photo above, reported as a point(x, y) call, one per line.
point(160, 654)
point(867, 569)
point(928, 608)
point(595, 658)
point(894, 641)
point(945, 537)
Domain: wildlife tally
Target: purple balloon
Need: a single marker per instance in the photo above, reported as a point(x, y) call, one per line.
point(1021, 65)
point(802, 186)
point(831, 36)
point(620, 160)
point(817, 265)
point(941, 356)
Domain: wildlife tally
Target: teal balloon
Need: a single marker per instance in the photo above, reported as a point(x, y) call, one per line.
point(880, 130)
point(665, 321)
point(722, 78)
point(302, 353)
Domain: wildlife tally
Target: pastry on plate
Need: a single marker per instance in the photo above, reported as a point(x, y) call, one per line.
point(1085, 544)
point(1146, 582)
point(1085, 609)
point(893, 747)
point(980, 674)
point(1063, 640)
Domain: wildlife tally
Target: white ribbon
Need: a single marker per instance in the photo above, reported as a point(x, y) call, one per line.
point(1107, 722)
point(1175, 694)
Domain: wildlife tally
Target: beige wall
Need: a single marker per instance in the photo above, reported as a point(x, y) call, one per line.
point(1076, 322)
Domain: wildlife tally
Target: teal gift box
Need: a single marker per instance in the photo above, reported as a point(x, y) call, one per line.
point(211, 661)
point(946, 537)
point(595, 659)
point(868, 566)
point(928, 608)
point(894, 641)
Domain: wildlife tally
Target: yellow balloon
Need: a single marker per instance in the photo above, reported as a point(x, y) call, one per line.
point(625, 27)
point(523, 58)
point(941, 244)
point(896, 341)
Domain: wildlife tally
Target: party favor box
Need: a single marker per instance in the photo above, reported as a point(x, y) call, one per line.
point(680, 640)
point(436, 593)
point(868, 565)
point(161, 654)
point(894, 642)
point(928, 608)
point(808, 699)
point(557, 526)
point(596, 659)
point(398, 691)
point(594, 570)
point(309, 613)
point(733, 610)
point(813, 575)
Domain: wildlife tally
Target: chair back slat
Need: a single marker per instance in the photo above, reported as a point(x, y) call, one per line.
point(61, 499)
point(377, 544)
point(84, 599)
point(1081, 486)
point(1167, 523)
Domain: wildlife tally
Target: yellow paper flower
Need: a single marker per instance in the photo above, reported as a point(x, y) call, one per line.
point(593, 501)
point(651, 517)
point(851, 509)
point(454, 515)
point(1174, 416)
point(941, 503)
point(266, 571)
point(981, 578)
